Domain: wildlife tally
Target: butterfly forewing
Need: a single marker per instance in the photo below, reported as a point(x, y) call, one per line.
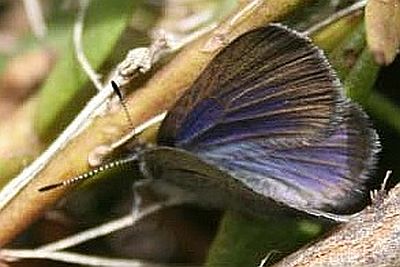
point(270, 83)
point(268, 111)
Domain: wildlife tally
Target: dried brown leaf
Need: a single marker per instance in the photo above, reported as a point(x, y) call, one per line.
point(21, 77)
point(382, 19)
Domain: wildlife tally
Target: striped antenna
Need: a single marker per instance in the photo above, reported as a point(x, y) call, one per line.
point(106, 166)
point(91, 173)
point(118, 92)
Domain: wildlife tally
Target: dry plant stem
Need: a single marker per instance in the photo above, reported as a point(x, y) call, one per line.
point(51, 251)
point(8, 192)
point(35, 17)
point(369, 240)
point(220, 37)
point(87, 114)
point(158, 94)
point(382, 20)
point(140, 60)
point(92, 109)
point(336, 16)
point(107, 228)
point(138, 130)
point(80, 54)
point(378, 195)
point(244, 12)
point(176, 45)
point(75, 258)
point(264, 261)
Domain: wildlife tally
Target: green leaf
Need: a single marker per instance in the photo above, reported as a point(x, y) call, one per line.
point(245, 241)
point(60, 97)
point(327, 38)
point(344, 56)
point(9, 167)
point(384, 109)
point(361, 77)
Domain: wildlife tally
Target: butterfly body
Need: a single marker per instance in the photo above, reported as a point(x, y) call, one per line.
point(213, 178)
point(265, 123)
point(198, 182)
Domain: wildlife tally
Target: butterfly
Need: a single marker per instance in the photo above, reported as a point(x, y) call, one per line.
point(265, 125)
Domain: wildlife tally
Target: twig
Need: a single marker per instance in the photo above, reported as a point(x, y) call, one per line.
point(378, 195)
point(106, 228)
point(336, 16)
point(79, 52)
point(92, 109)
point(153, 98)
point(71, 257)
point(94, 106)
point(176, 45)
point(138, 130)
point(266, 258)
point(246, 11)
point(52, 251)
point(192, 22)
point(218, 39)
point(368, 240)
point(78, 124)
point(35, 17)
point(143, 58)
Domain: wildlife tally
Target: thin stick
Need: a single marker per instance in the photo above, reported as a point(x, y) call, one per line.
point(80, 122)
point(51, 251)
point(35, 18)
point(246, 11)
point(191, 37)
point(385, 180)
point(368, 240)
point(79, 52)
point(378, 195)
point(107, 228)
point(336, 16)
point(71, 257)
point(139, 129)
point(92, 109)
point(266, 258)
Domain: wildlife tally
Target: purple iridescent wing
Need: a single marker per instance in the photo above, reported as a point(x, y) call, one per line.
point(270, 83)
point(268, 111)
point(328, 175)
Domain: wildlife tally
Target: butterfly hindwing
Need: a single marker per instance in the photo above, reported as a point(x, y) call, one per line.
point(325, 176)
point(270, 83)
point(179, 173)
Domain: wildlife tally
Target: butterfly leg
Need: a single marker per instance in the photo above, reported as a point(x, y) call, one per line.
point(137, 199)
